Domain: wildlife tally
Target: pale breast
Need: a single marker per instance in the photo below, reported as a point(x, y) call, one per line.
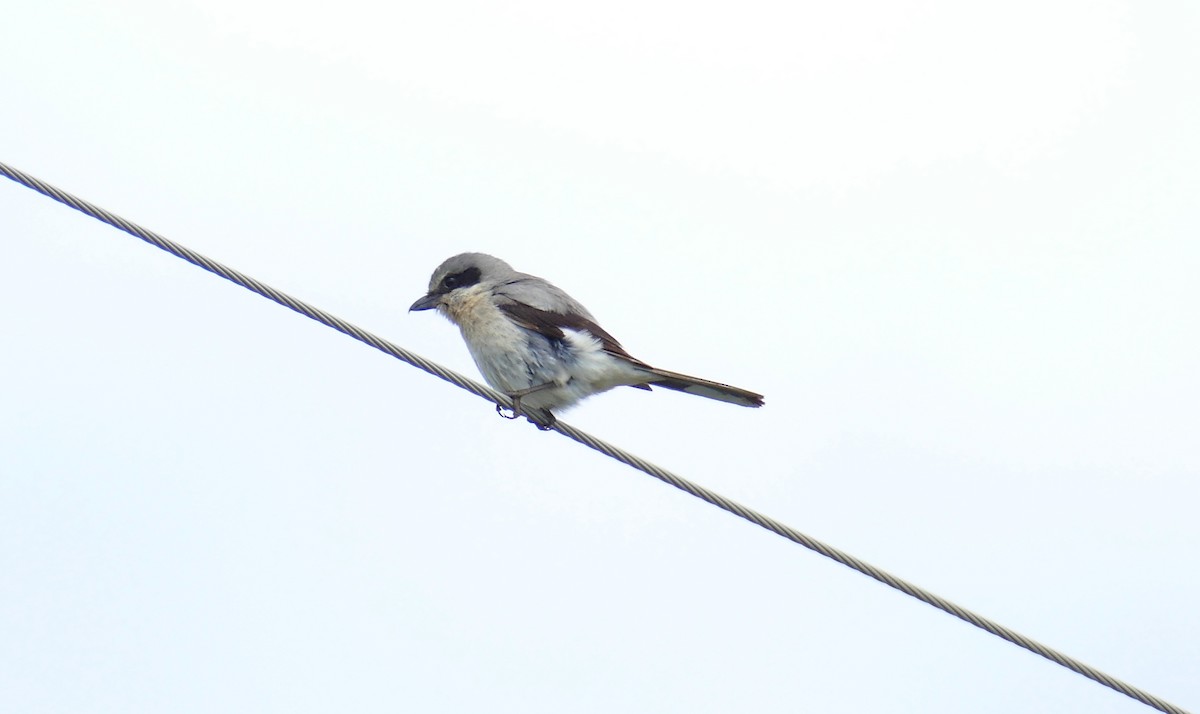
point(509, 357)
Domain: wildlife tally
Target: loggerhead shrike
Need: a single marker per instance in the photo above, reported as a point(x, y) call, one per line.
point(539, 346)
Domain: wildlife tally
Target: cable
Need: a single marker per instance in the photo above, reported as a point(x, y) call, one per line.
point(592, 442)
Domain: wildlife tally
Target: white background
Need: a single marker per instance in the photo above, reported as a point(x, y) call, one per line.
point(955, 244)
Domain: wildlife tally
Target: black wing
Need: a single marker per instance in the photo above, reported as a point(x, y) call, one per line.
point(550, 325)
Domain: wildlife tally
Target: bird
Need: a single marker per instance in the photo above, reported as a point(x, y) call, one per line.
point(541, 347)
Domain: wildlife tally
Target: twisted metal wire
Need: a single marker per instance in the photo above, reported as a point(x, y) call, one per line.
point(590, 441)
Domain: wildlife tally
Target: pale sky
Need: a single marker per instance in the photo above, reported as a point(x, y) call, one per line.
point(954, 244)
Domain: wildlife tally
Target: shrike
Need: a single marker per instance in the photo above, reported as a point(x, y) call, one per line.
point(538, 345)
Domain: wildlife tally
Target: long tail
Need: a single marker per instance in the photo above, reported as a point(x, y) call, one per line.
point(705, 388)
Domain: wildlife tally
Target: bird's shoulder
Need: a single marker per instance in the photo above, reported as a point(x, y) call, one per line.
point(539, 306)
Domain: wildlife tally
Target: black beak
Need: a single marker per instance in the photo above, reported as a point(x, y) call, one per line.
point(428, 302)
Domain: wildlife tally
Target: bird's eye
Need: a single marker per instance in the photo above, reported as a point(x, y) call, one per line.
point(470, 276)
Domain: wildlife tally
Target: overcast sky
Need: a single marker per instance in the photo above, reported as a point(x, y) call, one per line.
point(955, 244)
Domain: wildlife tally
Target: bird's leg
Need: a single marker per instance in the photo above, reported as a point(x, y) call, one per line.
point(515, 396)
point(518, 394)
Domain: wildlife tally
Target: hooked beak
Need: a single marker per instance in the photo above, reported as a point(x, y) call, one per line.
point(428, 302)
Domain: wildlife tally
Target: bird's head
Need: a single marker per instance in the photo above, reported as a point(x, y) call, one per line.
point(460, 281)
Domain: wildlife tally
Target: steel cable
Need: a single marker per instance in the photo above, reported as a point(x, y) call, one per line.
point(592, 442)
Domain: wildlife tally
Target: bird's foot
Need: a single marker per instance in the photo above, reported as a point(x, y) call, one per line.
point(541, 418)
point(545, 419)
